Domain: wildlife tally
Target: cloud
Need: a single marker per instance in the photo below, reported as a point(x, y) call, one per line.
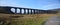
point(11, 3)
point(51, 6)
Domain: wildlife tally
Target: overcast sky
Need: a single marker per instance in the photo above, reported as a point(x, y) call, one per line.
point(36, 4)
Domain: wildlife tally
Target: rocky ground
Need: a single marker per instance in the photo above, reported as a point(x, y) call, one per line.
point(54, 20)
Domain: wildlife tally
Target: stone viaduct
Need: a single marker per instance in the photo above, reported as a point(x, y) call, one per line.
point(7, 10)
point(29, 10)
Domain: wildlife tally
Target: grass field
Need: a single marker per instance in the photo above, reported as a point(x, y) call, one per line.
point(31, 19)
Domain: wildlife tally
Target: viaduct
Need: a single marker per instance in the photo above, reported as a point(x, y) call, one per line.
point(7, 10)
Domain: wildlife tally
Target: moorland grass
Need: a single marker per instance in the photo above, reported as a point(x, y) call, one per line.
point(36, 19)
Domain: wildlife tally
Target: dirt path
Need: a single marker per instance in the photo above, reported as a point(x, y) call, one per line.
point(54, 20)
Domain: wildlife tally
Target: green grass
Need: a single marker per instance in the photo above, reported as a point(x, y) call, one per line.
point(30, 20)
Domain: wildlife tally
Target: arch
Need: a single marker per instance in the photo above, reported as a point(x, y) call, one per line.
point(22, 11)
point(18, 10)
point(29, 11)
point(32, 11)
point(12, 10)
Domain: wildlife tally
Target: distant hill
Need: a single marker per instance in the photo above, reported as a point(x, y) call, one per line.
point(57, 10)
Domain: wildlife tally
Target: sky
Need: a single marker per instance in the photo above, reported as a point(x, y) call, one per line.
point(34, 4)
